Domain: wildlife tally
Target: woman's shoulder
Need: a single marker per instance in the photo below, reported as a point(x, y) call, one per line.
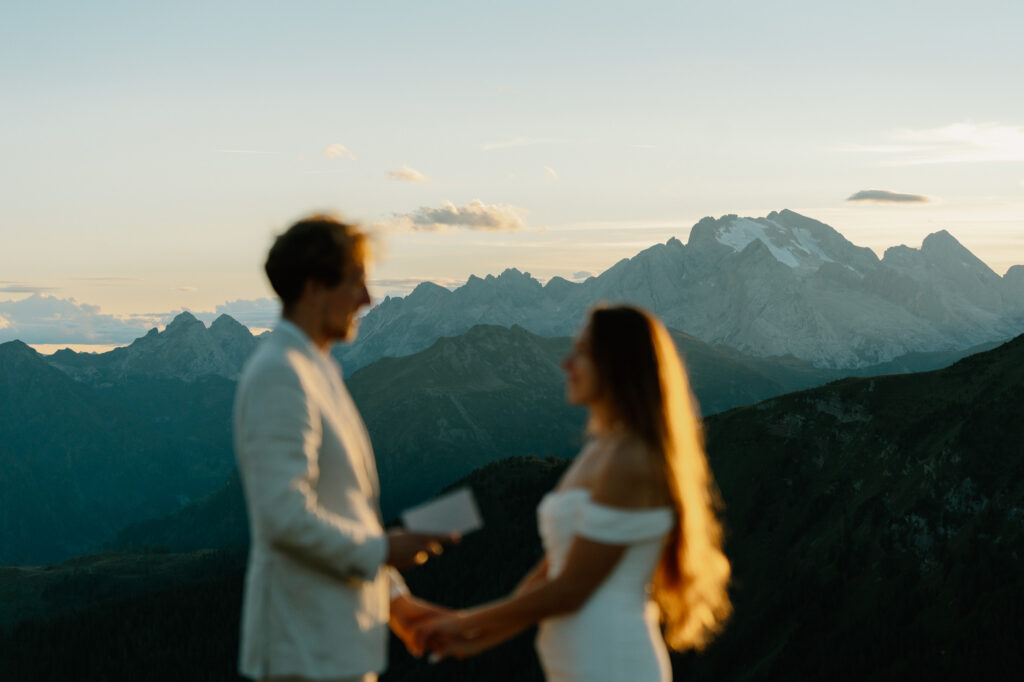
point(630, 475)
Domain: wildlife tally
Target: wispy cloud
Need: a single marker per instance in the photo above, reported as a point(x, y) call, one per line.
point(4, 322)
point(551, 171)
point(956, 143)
point(338, 151)
point(107, 280)
point(476, 215)
point(407, 174)
point(20, 288)
point(187, 290)
point(521, 141)
point(244, 151)
point(581, 275)
point(885, 196)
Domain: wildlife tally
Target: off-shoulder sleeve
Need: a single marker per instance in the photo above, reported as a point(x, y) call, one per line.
point(617, 526)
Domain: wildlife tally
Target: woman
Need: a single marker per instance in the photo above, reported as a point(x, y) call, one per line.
point(630, 533)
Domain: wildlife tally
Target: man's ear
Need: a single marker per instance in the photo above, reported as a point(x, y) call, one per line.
point(310, 289)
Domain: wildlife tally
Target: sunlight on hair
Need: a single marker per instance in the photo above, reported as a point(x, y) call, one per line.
point(690, 584)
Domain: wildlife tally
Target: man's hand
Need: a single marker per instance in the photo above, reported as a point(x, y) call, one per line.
point(406, 613)
point(407, 549)
point(454, 635)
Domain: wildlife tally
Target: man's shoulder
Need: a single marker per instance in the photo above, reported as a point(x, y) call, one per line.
point(274, 360)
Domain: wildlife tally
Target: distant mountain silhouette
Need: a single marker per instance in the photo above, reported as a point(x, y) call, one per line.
point(780, 285)
point(185, 350)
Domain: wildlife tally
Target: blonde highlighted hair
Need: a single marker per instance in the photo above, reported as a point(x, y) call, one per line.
point(643, 378)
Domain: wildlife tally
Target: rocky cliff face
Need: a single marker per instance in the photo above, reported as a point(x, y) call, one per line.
point(779, 285)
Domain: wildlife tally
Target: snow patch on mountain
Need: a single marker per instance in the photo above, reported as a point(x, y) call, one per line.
point(795, 247)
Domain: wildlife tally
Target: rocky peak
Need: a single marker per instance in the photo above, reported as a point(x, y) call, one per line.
point(942, 248)
point(940, 251)
point(227, 327)
point(513, 277)
point(17, 351)
point(559, 286)
point(182, 322)
point(427, 291)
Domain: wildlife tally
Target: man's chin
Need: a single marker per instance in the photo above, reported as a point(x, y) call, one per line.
point(349, 334)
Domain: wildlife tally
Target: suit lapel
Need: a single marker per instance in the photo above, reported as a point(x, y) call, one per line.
point(356, 427)
point(353, 431)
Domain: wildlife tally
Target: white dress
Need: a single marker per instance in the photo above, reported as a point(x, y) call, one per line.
point(615, 636)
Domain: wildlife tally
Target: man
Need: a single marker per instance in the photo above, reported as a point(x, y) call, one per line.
point(320, 588)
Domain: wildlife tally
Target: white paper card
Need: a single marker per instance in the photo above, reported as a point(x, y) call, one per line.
point(455, 512)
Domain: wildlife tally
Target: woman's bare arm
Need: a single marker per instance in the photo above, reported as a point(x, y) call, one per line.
point(627, 481)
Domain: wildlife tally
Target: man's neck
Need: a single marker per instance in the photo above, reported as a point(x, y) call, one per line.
point(309, 327)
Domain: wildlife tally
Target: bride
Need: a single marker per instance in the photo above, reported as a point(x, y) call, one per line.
point(630, 534)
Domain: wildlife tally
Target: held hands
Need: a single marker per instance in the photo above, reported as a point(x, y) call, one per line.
point(407, 612)
point(453, 635)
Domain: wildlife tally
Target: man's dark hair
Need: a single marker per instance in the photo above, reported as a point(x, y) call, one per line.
point(319, 248)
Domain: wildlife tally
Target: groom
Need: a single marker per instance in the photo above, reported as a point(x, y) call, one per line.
point(321, 587)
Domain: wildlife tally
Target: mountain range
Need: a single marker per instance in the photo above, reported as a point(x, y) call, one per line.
point(185, 350)
point(153, 419)
point(462, 378)
point(781, 285)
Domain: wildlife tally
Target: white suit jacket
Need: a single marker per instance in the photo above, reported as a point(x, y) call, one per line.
point(316, 597)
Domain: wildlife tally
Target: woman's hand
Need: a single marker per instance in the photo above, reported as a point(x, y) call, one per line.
point(437, 633)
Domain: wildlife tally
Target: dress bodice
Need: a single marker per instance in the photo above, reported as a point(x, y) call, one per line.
point(565, 514)
point(615, 635)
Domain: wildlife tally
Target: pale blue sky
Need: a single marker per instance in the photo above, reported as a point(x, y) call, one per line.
point(150, 151)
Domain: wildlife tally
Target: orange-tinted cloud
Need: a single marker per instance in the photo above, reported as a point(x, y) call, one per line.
point(407, 174)
point(476, 215)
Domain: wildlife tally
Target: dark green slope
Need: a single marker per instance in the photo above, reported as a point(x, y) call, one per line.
point(876, 526)
point(124, 617)
point(465, 401)
point(215, 521)
point(74, 464)
point(77, 462)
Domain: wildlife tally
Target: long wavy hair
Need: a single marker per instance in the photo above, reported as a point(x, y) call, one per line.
point(641, 376)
